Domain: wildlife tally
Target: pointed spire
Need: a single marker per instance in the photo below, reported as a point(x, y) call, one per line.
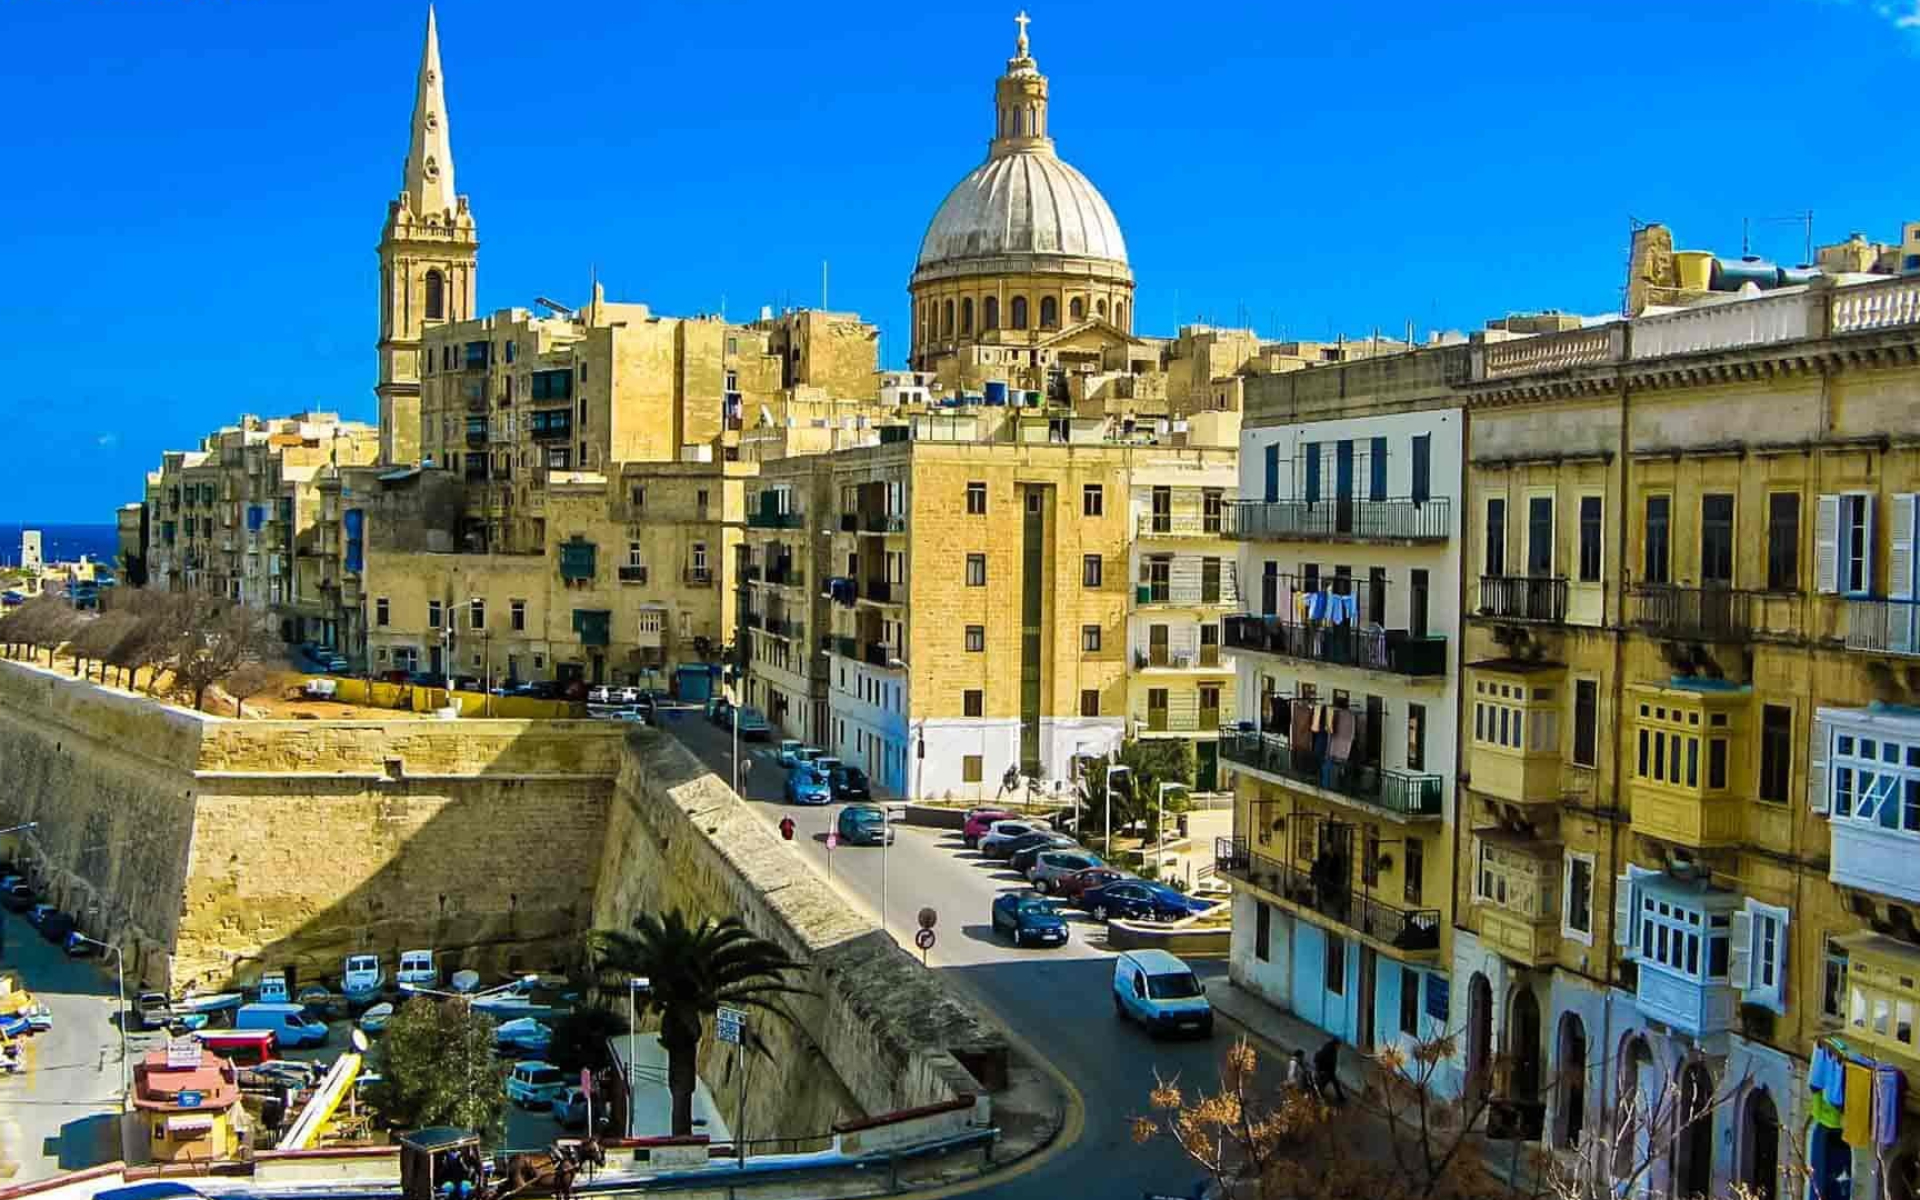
point(428, 187)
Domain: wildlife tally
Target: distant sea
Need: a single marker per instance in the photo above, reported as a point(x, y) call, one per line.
point(61, 543)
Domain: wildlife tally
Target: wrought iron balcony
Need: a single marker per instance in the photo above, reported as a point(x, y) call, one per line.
point(876, 522)
point(1401, 793)
point(880, 654)
point(1713, 614)
point(1156, 658)
point(845, 646)
point(1411, 929)
point(1392, 650)
point(697, 577)
point(1331, 519)
point(1524, 597)
point(633, 574)
point(1884, 626)
point(1180, 525)
point(766, 518)
point(882, 592)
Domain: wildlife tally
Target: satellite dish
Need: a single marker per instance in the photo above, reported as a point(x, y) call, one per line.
point(360, 1043)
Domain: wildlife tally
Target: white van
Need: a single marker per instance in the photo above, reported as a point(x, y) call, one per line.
point(289, 1023)
point(1160, 992)
point(417, 969)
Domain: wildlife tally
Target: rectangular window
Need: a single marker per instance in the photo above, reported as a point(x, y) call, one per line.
point(1422, 468)
point(1856, 543)
point(976, 570)
point(976, 639)
point(1496, 547)
point(1090, 702)
point(1336, 974)
point(1716, 540)
point(1833, 978)
point(1262, 931)
point(973, 703)
point(433, 614)
point(1312, 452)
point(1409, 1002)
point(1659, 520)
point(477, 614)
point(976, 499)
point(1539, 536)
point(970, 768)
point(1090, 639)
point(1093, 500)
point(1783, 542)
point(633, 554)
point(1416, 737)
point(1417, 595)
point(1414, 878)
point(1776, 752)
point(1586, 722)
point(380, 611)
point(517, 614)
point(1377, 469)
point(1090, 571)
point(1590, 530)
point(1577, 921)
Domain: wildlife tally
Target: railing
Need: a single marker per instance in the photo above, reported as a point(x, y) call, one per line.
point(845, 646)
point(880, 654)
point(1884, 626)
point(633, 574)
point(882, 592)
point(1697, 613)
point(1391, 650)
point(1329, 893)
point(697, 577)
point(1709, 327)
point(1334, 519)
point(1549, 352)
point(783, 627)
point(770, 519)
point(1524, 597)
point(883, 522)
point(786, 575)
point(1160, 657)
point(1179, 525)
point(751, 619)
point(1385, 788)
point(1187, 592)
point(1875, 306)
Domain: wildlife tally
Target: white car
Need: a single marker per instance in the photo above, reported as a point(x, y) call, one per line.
point(600, 695)
point(1002, 832)
point(626, 695)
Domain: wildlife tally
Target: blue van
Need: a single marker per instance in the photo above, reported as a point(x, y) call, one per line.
point(288, 1022)
point(1160, 992)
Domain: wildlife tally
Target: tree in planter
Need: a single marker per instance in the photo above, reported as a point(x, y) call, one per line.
point(437, 1067)
point(692, 970)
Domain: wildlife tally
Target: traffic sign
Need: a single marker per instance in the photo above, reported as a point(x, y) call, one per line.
point(833, 839)
point(729, 1024)
point(586, 1080)
point(924, 939)
point(928, 918)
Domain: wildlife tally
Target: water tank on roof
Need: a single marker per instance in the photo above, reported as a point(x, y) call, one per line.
point(1732, 274)
point(996, 392)
point(1695, 268)
point(1798, 276)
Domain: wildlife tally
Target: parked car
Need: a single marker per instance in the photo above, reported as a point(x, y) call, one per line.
point(535, 1084)
point(466, 683)
point(806, 786)
point(1028, 919)
point(17, 898)
point(1051, 866)
point(850, 785)
point(540, 689)
point(864, 825)
point(153, 1010)
point(826, 764)
point(570, 1110)
point(1022, 852)
point(428, 679)
point(993, 843)
point(289, 1024)
point(979, 821)
point(790, 749)
point(1136, 899)
point(753, 725)
point(1072, 887)
point(1160, 992)
point(55, 927)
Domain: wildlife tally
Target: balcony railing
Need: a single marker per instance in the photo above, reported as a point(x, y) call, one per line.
point(883, 522)
point(633, 574)
point(1385, 788)
point(845, 647)
point(1408, 520)
point(1205, 658)
point(766, 518)
point(1884, 626)
point(880, 654)
point(697, 577)
point(751, 619)
point(783, 627)
point(1185, 592)
point(882, 592)
point(1713, 614)
point(1416, 929)
point(1391, 650)
point(1180, 525)
point(1524, 597)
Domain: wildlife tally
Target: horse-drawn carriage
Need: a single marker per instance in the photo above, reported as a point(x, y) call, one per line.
point(445, 1163)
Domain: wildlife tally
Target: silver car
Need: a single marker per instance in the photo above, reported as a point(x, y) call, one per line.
point(1002, 832)
point(1051, 866)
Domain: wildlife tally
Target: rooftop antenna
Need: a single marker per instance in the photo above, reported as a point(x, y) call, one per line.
point(1802, 219)
point(823, 285)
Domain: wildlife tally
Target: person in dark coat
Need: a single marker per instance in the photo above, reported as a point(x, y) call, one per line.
point(1326, 1072)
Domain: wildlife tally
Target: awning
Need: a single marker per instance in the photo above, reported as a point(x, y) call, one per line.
point(189, 1124)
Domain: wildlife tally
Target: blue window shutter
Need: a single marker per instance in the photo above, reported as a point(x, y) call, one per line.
point(1273, 473)
point(1377, 470)
point(1313, 472)
point(1422, 468)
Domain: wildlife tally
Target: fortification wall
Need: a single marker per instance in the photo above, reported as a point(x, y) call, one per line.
point(213, 848)
point(877, 1032)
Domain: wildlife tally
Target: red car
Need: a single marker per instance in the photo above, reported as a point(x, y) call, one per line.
point(979, 821)
point(1070, 887)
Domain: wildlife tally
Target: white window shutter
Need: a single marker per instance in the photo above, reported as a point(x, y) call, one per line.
point(1817, 797)
point(1623, 910)
point(1900, 548)
point(1776, 996)
point(1740, 950)
point(1826, 544)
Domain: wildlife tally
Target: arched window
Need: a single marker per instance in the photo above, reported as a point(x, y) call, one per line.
point(1120, 313)
point(966, 315)
point(990, 313)
point(1077, 309)
point(1049, 312)
point(946, 320)
point(1019, 312)
point(436, 296)
point(1100, 308)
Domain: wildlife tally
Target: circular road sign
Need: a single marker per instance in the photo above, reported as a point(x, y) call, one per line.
point(924, 939)
point(928, 918)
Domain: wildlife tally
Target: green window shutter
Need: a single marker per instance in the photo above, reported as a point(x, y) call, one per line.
point(576, 559)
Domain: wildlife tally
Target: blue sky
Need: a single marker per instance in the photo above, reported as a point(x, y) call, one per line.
point(195, 187)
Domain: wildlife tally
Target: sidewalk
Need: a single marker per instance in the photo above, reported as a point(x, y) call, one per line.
point(1281, 1032)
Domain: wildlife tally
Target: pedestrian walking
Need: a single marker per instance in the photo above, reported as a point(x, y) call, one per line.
point(1326, 1071)
point(1299, 1079)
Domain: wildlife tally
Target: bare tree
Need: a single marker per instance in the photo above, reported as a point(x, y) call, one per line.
point(94, 640)
point(43, 623)
point(218, 639)
point(246, 681)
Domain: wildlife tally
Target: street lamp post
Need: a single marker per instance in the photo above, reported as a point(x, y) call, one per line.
point(120, 989)
point(1112, 770)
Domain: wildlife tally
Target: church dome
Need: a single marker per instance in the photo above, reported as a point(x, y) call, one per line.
point(1029, 202)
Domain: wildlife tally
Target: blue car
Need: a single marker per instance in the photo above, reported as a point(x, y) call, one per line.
point(806, 786)
point(1028, 920)
point(1138, 900)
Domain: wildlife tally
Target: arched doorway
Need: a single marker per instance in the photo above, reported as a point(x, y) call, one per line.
point(1523, 1047)
point(1760, 1146)
point(1693, 1145)
point(1903, 1177)
point(1479, 1033)
point(1570, 1108)
point(1638, 1089)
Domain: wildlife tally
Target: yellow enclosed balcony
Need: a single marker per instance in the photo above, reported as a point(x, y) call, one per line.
point(1882, 996)
point(1513, 747)
point(1516, 889)
point(1687, 761)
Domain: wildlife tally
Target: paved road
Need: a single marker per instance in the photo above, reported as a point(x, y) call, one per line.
point(58, 1115)
point(1057, 1000)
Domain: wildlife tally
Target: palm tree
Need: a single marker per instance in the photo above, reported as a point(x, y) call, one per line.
point(692, 970)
